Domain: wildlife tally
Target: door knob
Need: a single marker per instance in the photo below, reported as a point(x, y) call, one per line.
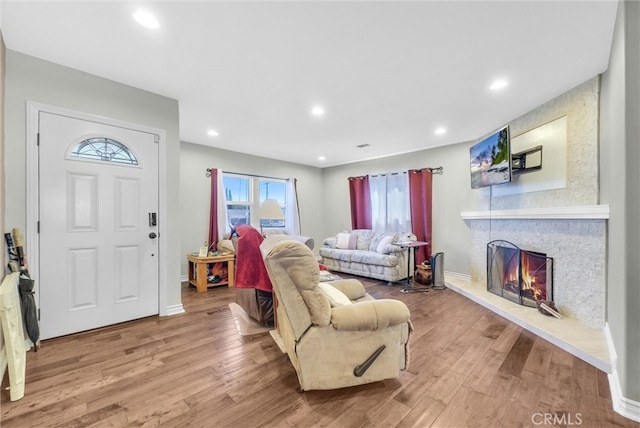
point(152, 235)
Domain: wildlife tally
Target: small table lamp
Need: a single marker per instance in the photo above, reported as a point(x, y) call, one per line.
point(270, 210)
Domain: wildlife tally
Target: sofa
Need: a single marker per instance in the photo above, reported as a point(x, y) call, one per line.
point(335, 334)
point(364, 252)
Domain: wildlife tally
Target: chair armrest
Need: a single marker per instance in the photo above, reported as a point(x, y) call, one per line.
point(393, 249)
point(330, 242)
point(352, 288)
point(369, 315)
point(309, 242)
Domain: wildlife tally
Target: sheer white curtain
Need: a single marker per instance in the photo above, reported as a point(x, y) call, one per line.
point(291, 212)
point(224, 227)
point(390, 202)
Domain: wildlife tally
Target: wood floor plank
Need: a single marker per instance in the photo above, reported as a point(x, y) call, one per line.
point(523, 404)
point(539, 357)
point(518, 355)
point(468, 367)
point(557, 386)
point(423, 413)
point(584, 393)
point(473, 356)
point(482, 375)
point(462, 414)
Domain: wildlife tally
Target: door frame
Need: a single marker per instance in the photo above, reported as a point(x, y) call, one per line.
point(33, 196)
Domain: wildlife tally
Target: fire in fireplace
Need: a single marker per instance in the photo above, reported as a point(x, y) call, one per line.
point(519, 275)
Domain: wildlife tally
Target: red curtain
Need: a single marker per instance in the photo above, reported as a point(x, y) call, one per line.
point(213, 210)
point(360, 202)
point(420, 200)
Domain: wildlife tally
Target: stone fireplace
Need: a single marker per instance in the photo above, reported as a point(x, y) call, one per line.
point(553, 211)
point(574, 237)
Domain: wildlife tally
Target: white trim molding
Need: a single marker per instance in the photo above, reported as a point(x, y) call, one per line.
point(174, 310)
point(462, 276)
point(585, 212)
point(630, 409)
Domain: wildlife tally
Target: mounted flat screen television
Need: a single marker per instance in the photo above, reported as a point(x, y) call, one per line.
point(491, 160)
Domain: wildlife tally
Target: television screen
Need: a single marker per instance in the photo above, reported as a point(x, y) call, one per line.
point(491, 160)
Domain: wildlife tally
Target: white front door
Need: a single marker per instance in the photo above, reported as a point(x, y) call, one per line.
point(98, 205)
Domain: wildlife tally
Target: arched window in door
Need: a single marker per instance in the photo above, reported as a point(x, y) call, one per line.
point(105, 150)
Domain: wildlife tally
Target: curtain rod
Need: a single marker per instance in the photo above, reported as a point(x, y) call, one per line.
point(382, 174)
point(438, 171)
point(208, 174)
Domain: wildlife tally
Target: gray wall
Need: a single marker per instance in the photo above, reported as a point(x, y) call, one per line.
point(2, 169)
point(3, 52)
point(619, 184)
point(33, 79)
point(195, 190)
point(452, 194)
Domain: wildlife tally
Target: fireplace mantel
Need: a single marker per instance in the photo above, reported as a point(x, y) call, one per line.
point(586, 212)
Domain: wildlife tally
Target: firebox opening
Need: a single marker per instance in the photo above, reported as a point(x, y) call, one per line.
point(520, 276)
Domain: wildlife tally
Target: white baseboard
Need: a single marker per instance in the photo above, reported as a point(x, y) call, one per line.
point(174, 310)
point(462, 276)
point(184, 278)
point(628, 408)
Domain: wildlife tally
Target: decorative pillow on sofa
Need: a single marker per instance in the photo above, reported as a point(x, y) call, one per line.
point(375, 241)
point(384, 242)
point(346, 241)
point(343, 241)
point(335, 296)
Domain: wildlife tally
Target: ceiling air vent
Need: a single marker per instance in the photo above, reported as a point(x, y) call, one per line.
point(362, 146)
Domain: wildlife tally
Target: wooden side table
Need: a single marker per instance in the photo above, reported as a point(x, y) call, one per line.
point(198, 270)
point(412, 245)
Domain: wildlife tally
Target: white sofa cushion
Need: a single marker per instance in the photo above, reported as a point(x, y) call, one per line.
point(373, 258)
point(364, 238)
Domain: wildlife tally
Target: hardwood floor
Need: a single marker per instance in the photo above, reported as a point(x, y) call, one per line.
point(469, 367)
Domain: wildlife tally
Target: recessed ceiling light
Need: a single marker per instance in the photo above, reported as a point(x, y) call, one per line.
point(317, 111)
point(145, 19)
point(440, 131)
point(498, 84)
point(321, 158)
point(212, 133)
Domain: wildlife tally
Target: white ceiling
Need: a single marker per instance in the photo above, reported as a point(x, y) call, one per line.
point(387, 73)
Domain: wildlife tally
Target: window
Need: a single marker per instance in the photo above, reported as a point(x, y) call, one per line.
point(244, 196)
point(272, 190)
point(105, 150)
point(390, 202)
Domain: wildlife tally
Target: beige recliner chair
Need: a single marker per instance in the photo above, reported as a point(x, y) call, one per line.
point(333, 341)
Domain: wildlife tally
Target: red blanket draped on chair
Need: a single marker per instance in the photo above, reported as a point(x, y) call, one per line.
point(250, 269)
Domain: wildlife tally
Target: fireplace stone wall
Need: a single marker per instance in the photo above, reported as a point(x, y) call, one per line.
point(578, 251)
point(577, 245)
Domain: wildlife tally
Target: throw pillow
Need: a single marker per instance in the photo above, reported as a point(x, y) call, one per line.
point(343, 241)
point(335, 296)
point(382, 245)
point(353, 242)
